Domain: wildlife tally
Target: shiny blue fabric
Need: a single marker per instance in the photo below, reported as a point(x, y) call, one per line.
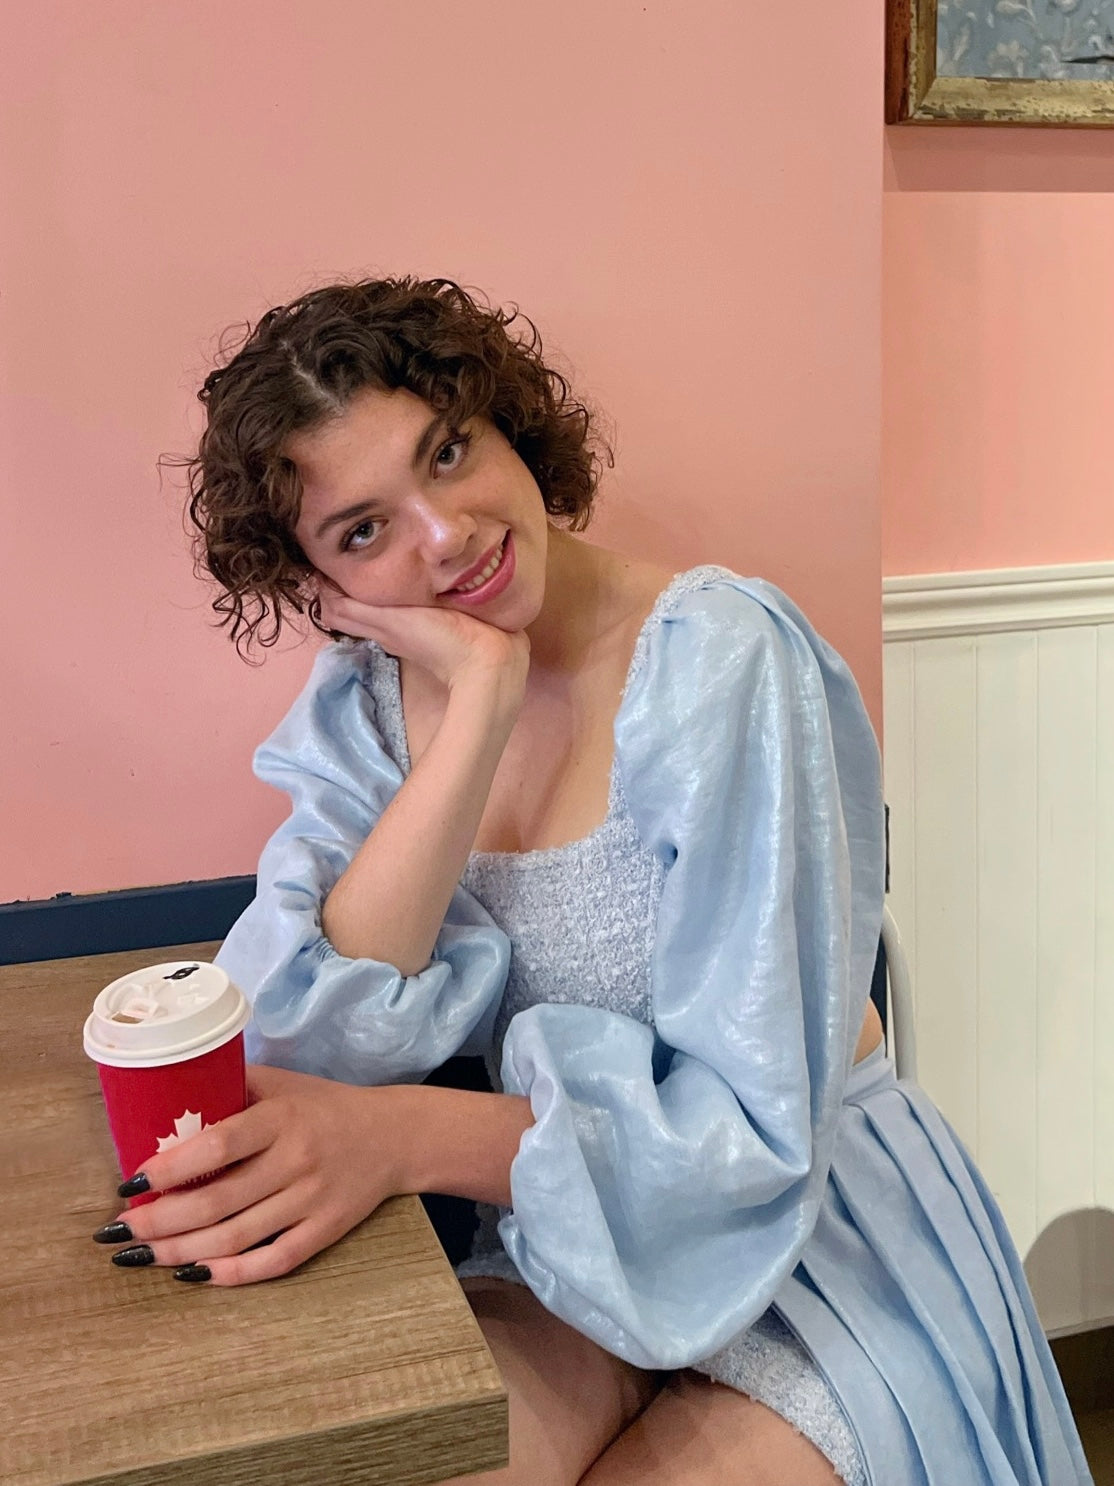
point(682, 1177)
point(912, 1299)
point(358, 1021)
point(691, 1163)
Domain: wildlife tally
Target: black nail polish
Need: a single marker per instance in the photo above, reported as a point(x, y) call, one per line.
point(113, 1233)
point(132, 1188)
point(141, 1253)
point(194, 1273)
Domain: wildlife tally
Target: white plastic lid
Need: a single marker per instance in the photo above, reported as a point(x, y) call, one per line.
point(164, 1014)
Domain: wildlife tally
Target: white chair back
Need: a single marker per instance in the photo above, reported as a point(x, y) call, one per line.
point(902, 1033)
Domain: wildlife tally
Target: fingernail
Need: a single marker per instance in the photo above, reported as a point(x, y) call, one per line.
point(113, 1233)
point(132, 1188)
point(193, 1273)
point(141, 1253)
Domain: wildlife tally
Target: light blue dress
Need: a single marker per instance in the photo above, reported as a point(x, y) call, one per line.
point(685, 1174)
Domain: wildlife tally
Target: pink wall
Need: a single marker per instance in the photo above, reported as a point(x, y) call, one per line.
point(699, 239)
point(998, 316)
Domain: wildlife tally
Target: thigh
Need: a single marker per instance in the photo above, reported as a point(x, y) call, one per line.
point(567, 1398)
point(700, 1433)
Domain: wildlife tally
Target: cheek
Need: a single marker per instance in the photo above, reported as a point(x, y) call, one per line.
point(329, 567)
point(533, 500)
point(378, 582)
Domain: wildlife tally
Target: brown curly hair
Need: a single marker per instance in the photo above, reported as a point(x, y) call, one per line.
point(301, 365)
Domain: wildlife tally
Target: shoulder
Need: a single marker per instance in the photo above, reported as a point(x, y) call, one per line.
point(709, 621)
point(720, 649)
point(732, 676)
point(715, 598)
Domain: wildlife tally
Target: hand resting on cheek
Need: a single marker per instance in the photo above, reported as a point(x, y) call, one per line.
point(442, 641)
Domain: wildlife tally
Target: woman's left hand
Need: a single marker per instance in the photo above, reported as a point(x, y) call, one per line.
point(307, 1160)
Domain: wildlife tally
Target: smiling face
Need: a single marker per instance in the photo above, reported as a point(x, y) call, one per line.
point(399, 508)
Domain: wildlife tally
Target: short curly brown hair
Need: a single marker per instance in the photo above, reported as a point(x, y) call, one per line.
point(301, 365)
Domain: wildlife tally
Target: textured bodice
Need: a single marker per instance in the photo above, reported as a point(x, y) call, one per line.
point(580, 919)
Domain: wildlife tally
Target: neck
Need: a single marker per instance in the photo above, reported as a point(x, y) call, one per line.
point(571, 613)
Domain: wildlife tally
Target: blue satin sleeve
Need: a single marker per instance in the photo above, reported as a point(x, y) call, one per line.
point(359, 1021)
point(674, 1172)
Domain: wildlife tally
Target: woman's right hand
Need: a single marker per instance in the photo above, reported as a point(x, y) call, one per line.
point(390, 902)
point(452, 647)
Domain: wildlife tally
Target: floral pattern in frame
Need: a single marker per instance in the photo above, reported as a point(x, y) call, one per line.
point(1045, 62)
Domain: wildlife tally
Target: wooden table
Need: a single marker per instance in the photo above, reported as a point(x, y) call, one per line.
point(364, 1366)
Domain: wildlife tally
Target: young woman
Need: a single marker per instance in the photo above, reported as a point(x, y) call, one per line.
point(621, 831)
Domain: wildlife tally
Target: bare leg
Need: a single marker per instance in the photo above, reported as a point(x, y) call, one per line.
point(700, 1433)
point(568, 1398)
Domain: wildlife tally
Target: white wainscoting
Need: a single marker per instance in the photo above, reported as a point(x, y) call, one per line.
point(999, 748)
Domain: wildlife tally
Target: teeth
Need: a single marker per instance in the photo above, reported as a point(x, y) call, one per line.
point(481, 578)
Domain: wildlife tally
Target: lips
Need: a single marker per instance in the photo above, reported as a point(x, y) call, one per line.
point(474, 578)
point(489, 578)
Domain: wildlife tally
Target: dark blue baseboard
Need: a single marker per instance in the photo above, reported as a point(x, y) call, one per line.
point(135, 918)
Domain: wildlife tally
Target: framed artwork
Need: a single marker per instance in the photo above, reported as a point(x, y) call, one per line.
point(1000, 62)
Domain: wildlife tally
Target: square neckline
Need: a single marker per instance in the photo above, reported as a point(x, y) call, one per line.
point(686, 581)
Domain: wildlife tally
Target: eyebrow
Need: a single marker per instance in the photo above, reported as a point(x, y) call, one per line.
point(421, 449)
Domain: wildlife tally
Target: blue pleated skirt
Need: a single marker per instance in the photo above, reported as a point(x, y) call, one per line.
point(911, 1298)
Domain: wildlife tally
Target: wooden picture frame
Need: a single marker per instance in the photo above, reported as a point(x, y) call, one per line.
point(916, 94)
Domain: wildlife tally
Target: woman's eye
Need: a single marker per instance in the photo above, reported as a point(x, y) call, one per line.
point(360, 536)
point(451, 453)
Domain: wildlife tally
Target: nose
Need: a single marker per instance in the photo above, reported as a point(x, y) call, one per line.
point(444, 529)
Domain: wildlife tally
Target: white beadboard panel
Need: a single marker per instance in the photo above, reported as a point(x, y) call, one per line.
point(1066, 922)
point(944, 677)
point(1005, 1027)
point(999, 766)
point(1103, 1258)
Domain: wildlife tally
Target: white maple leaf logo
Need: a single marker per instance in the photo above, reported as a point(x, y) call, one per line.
point(185, 1125)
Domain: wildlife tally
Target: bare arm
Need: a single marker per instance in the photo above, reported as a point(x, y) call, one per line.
point(310, 1157)
point(390, 902)
point(458, 1142)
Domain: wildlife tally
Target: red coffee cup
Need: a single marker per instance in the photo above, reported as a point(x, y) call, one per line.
point(168, 1041)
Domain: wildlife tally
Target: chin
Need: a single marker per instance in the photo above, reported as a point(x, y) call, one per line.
point(517, 617)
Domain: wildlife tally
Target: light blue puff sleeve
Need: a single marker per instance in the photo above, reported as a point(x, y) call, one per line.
point(674, 1173)
point(359, 1021)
